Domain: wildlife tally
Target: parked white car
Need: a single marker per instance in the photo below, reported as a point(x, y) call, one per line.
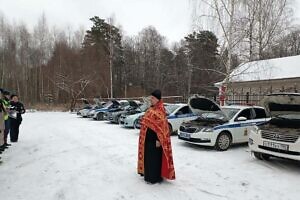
point(280, 136)
point(85, 112)
point(130, 119)
point(220, 127)
point(176, 115)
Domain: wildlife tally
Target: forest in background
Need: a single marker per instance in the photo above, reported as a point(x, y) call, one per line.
point(59, 66)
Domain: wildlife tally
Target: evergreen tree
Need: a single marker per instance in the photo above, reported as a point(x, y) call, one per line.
point(202, 48)
point(101, 46)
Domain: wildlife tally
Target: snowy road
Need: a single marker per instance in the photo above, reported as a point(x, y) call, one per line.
point(61, 156)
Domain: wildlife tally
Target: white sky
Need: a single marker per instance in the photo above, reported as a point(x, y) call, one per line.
point(172, 18)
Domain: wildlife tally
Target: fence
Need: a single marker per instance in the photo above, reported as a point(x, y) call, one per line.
point(244, 99)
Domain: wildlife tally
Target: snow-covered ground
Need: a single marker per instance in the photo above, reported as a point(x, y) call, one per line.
point(62, 156)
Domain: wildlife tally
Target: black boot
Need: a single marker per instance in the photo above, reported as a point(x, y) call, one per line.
point(7, 145)
point(4, 147)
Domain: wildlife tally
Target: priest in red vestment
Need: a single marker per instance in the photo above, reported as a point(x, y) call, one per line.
point(155, 160)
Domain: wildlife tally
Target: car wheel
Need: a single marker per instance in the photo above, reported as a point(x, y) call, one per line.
point(170, 129)
point(119, 119)
point(135, 124)
point(100, 116)
point(223, 141)
point(261, 156)
point(257, 155)
point(265, 156)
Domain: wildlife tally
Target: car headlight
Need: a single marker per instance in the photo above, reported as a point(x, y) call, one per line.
point(256, 129)
point(208, 130)
point(250, 141)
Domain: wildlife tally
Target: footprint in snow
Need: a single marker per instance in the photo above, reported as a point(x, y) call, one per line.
point(244, 183)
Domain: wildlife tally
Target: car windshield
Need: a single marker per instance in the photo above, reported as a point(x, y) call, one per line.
point(143, 107)
point(127, 107)
point(171, 108)
point(124, 103)
point(94, 107)
point(108, 104)
point(230, 112)
point(290, 116)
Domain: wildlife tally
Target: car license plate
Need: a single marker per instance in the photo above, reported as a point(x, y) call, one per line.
point(276, 145)
point(185, 135)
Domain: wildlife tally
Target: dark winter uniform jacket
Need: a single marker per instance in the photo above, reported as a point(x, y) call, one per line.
point(19, 107)
point(2, 109)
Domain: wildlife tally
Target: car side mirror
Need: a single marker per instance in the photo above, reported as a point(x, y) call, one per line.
point(241, 119)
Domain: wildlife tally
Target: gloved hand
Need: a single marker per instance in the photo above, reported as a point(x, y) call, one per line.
point(11, 108)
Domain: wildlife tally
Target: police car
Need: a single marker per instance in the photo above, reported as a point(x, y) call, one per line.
point(98, 114)
point(220, 127)
point(176, 115)
point(280, 137)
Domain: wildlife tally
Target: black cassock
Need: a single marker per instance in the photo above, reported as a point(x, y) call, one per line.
point(152, 158)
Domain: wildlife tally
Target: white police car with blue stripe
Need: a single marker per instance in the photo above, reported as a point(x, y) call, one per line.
point(220, 127)
point(178, 114)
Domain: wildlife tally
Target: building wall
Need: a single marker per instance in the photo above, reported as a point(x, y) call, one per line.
point(251, 92)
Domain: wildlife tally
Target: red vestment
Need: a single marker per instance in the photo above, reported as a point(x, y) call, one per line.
point(155, 119)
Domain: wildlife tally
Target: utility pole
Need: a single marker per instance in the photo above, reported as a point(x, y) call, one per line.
point(110, 58)
point(190, 73)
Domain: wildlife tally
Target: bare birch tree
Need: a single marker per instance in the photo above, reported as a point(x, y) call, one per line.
point(72, 86)
point(253, 25)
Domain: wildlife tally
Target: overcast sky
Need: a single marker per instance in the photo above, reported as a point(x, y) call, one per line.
point(172, 18)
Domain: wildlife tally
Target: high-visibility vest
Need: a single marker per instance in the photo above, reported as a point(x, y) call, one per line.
point(6, 104)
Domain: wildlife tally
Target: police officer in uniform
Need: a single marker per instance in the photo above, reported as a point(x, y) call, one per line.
point(16, 110)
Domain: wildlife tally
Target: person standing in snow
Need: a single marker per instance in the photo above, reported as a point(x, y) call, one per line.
point(6, 103)
point(2, 113)
point(16, 117)
point(155, 160)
